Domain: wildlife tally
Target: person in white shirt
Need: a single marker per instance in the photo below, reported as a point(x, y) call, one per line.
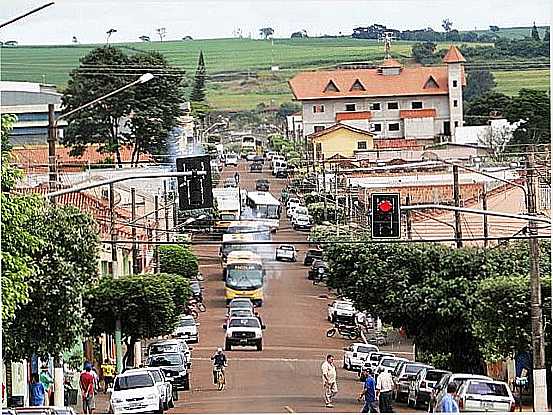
point(329, 380)
point(384, 387)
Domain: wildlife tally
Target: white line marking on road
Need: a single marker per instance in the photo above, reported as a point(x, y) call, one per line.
point(289, 410)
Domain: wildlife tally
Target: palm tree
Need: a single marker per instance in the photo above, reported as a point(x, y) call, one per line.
point(109, 33)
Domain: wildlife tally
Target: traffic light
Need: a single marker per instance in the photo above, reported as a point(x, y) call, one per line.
point(195, 190)
point(385, 215)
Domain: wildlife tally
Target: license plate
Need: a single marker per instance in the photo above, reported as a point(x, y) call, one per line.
point(243, 342)
point(135, 405)
point(486, 405)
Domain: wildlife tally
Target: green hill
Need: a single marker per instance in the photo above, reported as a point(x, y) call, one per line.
point(512, 32)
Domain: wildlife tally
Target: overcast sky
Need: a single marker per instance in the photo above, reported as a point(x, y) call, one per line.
point(88, 20)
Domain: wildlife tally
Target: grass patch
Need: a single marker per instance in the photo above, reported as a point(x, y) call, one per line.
point(510, 82)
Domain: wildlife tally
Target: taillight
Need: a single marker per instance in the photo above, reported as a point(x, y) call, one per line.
point(513, 407)
point(423, 384)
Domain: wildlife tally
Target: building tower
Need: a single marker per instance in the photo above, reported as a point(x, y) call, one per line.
point(455, 80)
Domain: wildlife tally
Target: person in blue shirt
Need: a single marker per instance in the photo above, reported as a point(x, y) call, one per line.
point(368, 392)
point(37, 391)
point(448, 404)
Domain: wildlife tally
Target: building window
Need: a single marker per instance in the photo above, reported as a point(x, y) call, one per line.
point(454, 84)
point(361, 145)
point(394, 126)
point(393, 105)
point(456, 124)
point(318, 108)
point(319, 150)
point(455, 103)
point(350, 107)
point(416, 105)
point(377, 127)
point(375, 106)
point(318, 128)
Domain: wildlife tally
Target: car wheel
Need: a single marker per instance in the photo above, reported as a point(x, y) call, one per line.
point(186, 385)
point(160, 409)
point(260, 345)
point(228, 347)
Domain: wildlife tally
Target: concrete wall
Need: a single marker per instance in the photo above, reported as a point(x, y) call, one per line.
point(342, 141)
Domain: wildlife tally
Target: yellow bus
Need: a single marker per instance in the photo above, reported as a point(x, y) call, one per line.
point(244, 277)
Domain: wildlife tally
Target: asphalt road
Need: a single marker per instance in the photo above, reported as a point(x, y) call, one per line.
point(285, 376)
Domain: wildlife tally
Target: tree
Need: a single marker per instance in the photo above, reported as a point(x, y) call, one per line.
point(494, 28)
point(469, 37)
point(266, 32)
point(109, 33)
point(144, 38)
point(148, 305)
point(479, 82)
point(74, 40)
point(316, 210)
point(447, 24)
point(198, 89)
point(534, 107)
point(179, 260)
point(424, 52)
point(479, 109)
point(65, 264)
point(161, 32)
point(288, 108)
point(546, 36)
point(497, 138)
point(535, 33)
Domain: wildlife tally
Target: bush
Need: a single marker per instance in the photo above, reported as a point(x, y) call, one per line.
point(179, 260)
point(316, 210)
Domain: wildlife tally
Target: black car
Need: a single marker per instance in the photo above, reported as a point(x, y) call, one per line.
point(256, 167)
point(281, 174)
point(262, 185)
point(311, 255)
point(259, 159)
point(318, 270)
point(174, 368)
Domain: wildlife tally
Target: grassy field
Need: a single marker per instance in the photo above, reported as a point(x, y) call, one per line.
point(512, 32)
point(238, 69)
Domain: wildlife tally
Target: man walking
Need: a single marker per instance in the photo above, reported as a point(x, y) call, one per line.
point(329, 380)
point(86, 383)
point(368, 392)
point(448, 404)
point(108, 371)
point(384, 386)
point(37, 391)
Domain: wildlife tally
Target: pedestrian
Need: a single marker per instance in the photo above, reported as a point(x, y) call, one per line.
point(384, 386)
point(47, 381)
point(329, 380)
point(237, 177)
point(448, 403)
point(368, 392)
point(37, 391)
point(86, 383)
point(108, 372)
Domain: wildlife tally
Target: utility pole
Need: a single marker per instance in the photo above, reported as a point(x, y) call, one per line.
point(456, 198)
point(52, 136)
point(539, 371)
point(325, 215)
point(175, 219)
point(485, 207)
point(133, 230)
point(408, 218)
point(166, 210)
point(156, 247)
point(336, 198)
point(115, 274)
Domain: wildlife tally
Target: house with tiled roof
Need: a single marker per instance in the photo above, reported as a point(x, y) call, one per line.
point(412, 106)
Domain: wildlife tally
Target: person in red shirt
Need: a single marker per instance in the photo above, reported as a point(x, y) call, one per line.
point(87, 388)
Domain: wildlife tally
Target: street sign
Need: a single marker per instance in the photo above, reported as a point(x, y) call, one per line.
point(385, 216)
point(195, 191)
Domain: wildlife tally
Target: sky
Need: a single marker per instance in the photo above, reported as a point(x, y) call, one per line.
point(89, 20)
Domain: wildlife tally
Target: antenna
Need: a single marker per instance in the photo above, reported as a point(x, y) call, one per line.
point(387, 38)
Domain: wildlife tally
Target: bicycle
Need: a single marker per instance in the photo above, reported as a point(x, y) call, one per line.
point(220, 378)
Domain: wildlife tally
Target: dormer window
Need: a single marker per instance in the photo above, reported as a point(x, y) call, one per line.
point(357, 86)
point(431, 83)
point(454, 84)
point(331, 87)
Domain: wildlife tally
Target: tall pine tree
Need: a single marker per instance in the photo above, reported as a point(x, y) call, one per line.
point(535, 33)
point(198, 90)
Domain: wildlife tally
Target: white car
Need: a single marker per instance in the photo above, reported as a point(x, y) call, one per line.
point(355, 355)
point(165, 387)
point(250, 156)
point(231, 160)
point(286, 252)
point(477, 395)
point(389, 363)
point(340, 310)
point(373, 359)
point(302, 222)
point(187, 329)
point(300, 211)
point(135, 391)
point(244, 331)
point(293, 201)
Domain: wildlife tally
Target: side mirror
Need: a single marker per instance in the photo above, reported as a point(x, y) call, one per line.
point(329, 305)
point(263, 327)
point(225, 326)
point(346, 349)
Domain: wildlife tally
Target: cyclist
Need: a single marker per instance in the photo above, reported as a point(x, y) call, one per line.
point(219, 362)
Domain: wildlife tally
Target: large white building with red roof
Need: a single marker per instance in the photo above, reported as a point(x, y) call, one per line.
point(396, 103)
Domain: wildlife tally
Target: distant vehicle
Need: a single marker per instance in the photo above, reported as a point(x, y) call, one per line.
point(440, 389)
point(248, 145)
point(239, 312)
point(311, 255)
point(286, 252)
point(231, 160)
point(301, 218)
point(165, 387)
point(174, 367)
point(262, 185)
point(478, 395)
point(230, 183)
point(251, 156)
point(403, 374)
point(293, 201)
point(278, 165)
point(356, 354)
point(270, 155)
point(240, 302)
point(244, 331)
point(228, 205)
point(238, 257)
point(281, 174)
point(389, 363)
point(318, 270)
point(265, 208)
point(187, 329)
point(259, 159)
point(373, 359)
point(256, 168)
point(342, 311)
point(135, 391)
point(234, 242)
point(421, 387)
point(245, 277)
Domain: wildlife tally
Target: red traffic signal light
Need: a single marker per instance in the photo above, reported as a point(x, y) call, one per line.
point(385, 206)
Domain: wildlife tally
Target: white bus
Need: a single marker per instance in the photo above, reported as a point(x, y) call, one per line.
point(263, 207)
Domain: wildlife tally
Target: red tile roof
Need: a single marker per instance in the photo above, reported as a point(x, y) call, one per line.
point(453, 55)
point(396, 143)
point(357, 115)
point(339, 126)
point(410, 81)
point(423, 113)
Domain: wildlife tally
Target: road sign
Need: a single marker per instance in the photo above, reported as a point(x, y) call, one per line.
point(195, 190)
point(385, 215)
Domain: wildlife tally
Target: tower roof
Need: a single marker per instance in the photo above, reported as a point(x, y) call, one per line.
point(453, 55)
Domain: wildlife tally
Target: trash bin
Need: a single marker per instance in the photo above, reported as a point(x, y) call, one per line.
point(70, 397)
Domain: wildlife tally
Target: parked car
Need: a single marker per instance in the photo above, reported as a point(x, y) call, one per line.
point(403, 374)
point(240, 302)
point(476, 395)
point(174, 367)
point(135, 391)
point(187, 329)
point(165, 387)
point(440, 389)
point(231, 160)
point(230, 183)
point(373, 359)
point(176, 345)
point(356, 354)
point(251, 155)
point(259, 159)
point(311, 255)
point(421, 387)
point(341, 311)
point(40, 410)
point(262, 185)
point(256, 168)
point(286, 253)
point(244, 331)
point(281, 173)
point(318, 270)
point(390, 363)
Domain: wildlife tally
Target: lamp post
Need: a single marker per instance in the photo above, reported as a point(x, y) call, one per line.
point(53, 126)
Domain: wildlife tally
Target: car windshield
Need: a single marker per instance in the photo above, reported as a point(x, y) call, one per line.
point(163, 348)
point(156, 375)
point(242, 303)
point(187, 322)
point(487, 388)
point(287, 248)
point(389, 362)
point(133, 382)
point(433, 376)
point(314, 252)
point(241, 313)
point(245, 322)
point(343, 306)
point(244, 276)
point(227, 216)
point(412, 369)
point(171, 359)
point(366, 349)
point(302, 211)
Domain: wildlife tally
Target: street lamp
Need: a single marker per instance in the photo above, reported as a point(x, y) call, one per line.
point(53, 126)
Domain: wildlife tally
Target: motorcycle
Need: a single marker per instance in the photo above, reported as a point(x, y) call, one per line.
point(345, 330)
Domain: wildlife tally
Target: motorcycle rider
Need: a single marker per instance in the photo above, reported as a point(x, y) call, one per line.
point(219, 362)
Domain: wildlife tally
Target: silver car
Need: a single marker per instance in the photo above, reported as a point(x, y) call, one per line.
point(440, 389)
point(477, 395)
point(403, 374)
point(421, 387)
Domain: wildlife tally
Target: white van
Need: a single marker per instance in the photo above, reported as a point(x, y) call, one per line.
point(135, 391)
point(279, 165)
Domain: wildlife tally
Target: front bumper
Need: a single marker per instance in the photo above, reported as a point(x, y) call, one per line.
point(188, 337)
point(135, 407)
point(233, 341)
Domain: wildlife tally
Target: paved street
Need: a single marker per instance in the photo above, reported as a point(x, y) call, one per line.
point(285, 376)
